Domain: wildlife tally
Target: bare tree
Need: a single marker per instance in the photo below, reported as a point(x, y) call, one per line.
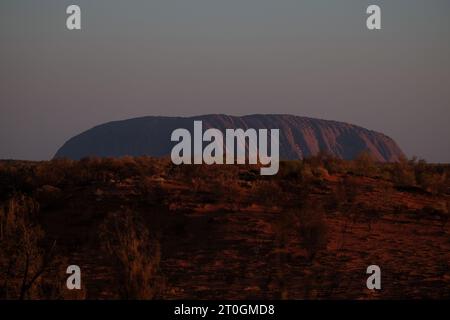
point(23, 260)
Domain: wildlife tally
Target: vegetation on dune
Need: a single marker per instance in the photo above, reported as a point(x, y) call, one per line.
point(121, 196)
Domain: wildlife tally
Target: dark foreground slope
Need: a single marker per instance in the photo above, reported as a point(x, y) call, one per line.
point(142, 228)
point(300, 137)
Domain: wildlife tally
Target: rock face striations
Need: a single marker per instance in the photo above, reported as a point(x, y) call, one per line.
point(300, 137)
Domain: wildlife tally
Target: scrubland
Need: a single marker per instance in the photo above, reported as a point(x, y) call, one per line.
point(143, 228)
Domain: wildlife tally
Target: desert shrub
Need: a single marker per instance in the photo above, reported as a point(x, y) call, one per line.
point(371, 215)
point(16, 177)
point(330, 163)
point(148, 166)
point(384, 171)
point(342, 196)
point(88, 170)
point(350, 189)
point(365, 165)
point(402, 173)
point(103, 170)
point(310, 226)
point(268, 193)
point(313, 230)
point(318, 159)
point(432, 178)
point(24, 261)
point(304, 225)
point(433, 182)
point(304, 171)
point(126, 167)
point(291, 169)
point(55, 172)
point(136, 255)
point(335, 165)
point(152, 191)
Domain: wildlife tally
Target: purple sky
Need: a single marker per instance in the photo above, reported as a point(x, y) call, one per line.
point(189, 57)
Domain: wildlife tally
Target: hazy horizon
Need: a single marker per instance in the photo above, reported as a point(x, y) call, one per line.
point(184, 58)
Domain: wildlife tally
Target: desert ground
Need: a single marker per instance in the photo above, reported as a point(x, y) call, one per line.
point(143, 228)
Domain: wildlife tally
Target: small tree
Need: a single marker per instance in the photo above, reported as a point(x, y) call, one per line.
point(23, 261)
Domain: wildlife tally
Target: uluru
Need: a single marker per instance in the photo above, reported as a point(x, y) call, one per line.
point(300, 137)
